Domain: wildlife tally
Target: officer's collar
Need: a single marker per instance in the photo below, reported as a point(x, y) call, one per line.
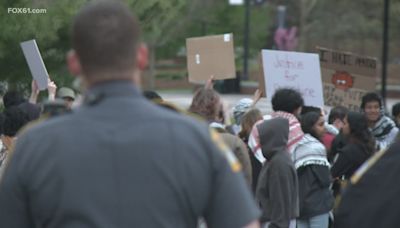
point(99, 91)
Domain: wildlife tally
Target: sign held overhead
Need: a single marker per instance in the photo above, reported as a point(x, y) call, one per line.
point(210, 56)
point(296, 70)
point(35, 63)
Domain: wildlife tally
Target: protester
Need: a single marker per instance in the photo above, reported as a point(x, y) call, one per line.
point(360, 146)
point(277, 189)
point(330, 130)
point(247, 122)
point(336, 119)
point(67, 95)
point(51, 88)
point(14, 120)
point(311, 163)
point(372, 198)
point(207, 104)
point(242, 107)
point(239, 110)
point(16, 99)
point(12, 98)
point(336, 116)
point(119, 160)
point(286, 103)
point(31, 110)
point(396, 113)
point(382, 127)
point(306, 109)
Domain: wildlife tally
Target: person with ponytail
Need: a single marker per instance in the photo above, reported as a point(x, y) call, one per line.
point(312, 166)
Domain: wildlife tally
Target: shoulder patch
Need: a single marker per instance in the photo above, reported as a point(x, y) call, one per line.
point(226, 151)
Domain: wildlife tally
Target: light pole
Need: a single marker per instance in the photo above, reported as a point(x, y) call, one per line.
point(246, 39)
point(385, 49)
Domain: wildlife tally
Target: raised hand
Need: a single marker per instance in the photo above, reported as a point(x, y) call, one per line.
point(51, 88)
point(34, 92)
point(210, 83)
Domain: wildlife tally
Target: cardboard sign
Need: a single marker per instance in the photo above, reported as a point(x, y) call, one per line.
point(296, 70)
point(35, 63)
point(346, 77)
point(210, 55)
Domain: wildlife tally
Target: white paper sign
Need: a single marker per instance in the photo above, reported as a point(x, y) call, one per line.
point(300, 71)
point(35, 63)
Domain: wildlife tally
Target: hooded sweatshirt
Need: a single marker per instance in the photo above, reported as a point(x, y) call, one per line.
point(277, 189)
point(295, 134)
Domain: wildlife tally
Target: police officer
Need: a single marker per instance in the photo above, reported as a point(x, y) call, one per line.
point(119, 160)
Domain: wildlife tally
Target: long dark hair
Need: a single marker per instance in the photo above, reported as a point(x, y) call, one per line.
point(359, 131)
point(308, 121)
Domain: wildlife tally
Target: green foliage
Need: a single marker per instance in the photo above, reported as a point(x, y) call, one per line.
point(218, 17)
point(50, 30)
point(341, 24)
point(159, 19)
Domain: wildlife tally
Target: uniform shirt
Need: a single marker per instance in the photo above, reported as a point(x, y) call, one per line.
point(121, 161)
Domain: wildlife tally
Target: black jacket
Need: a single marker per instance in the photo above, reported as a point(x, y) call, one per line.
point(315, 197)
point(351, 157)
point(277, 189)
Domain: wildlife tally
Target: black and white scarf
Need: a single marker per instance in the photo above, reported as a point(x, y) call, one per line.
point(383, 127)
point(309, 151)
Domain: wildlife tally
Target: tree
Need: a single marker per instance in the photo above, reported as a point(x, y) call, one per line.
point(161, 21)
point(50, 29)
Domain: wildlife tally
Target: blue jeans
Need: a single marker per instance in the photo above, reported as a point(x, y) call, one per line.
point(319, 221)
point(291, 225)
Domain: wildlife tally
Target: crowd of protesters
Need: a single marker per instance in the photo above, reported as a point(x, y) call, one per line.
point(117, 159)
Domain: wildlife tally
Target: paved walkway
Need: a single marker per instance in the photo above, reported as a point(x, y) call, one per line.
point(183, 100)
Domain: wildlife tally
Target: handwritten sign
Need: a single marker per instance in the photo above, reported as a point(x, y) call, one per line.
point(346, 77)
point(300, 71)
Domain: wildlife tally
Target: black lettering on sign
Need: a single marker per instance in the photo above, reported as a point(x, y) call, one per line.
point(333, 100)
point(341, 58)
point(322, 56)
point(364, 62)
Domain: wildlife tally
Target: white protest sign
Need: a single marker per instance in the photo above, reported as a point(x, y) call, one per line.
point(35, 63)
point(297, 70)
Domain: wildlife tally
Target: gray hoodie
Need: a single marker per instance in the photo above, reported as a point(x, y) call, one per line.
point(277, 189)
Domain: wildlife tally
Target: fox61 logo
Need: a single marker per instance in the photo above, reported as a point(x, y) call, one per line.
point(25, 11)
point(17, 10)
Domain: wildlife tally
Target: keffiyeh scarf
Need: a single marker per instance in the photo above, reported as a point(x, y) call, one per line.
point(382, 128)
point(295, 134)
point(309, 151)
